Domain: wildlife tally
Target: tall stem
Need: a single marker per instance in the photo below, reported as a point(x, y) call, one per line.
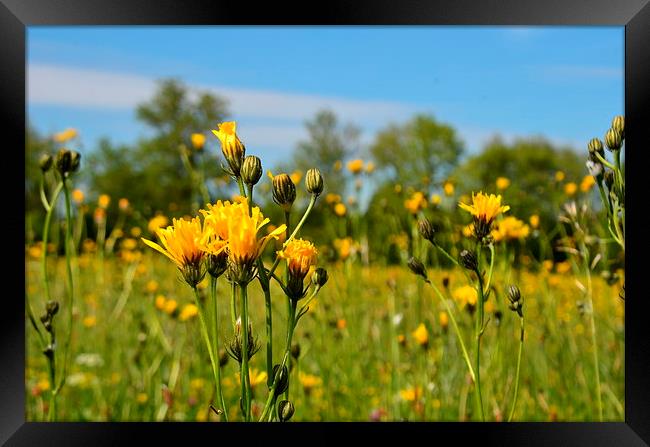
point(244, 374)
point(215, 343)
point(478, 333)
point(521, 347)
point(593, 331)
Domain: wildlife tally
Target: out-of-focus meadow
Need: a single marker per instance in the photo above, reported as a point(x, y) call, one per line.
point(377, 343)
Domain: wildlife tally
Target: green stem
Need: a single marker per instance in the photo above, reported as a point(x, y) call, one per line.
point(592, 322)
point(206, 339)
point(233, 307)
point(478, 333)
point(215, 342)
point(244, 374)
point(489, 281)
point(521, 346)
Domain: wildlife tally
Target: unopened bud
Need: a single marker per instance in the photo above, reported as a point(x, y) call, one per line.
point(618, 124)
point(251, 170)
point(426, 229)
point(284, 191)
point(282, 379)
point(319, 277)
point(314, 182)
point(595, 146)
point(417, 267)
point(613, 139)
point(75, 160)
point(285, 410)
point(609, 179)
point(45, 162)
point(63, 161)
point(468, 260)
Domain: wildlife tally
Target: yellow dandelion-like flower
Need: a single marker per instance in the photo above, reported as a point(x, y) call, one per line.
point(345, 247)
point(587, 182)
point(355, 166)
point(198, 141)
point(465, 295)
point(301, 255)
point(421, 335)
point(231, 146)
point(443, 318)
point(78, 196)
point(485, 207)
point(502, 183)
point(448, 188)
point(104, 201)
point(547, 265)
point(90, 321)
point(570, 188)
point(135, 231)
point(151, 286)
point(160, 301)
point(416, 203)
point(99, 215)
point(123, 204)
point(188, 311)
point(65, 135)
point(309, 381)
point(340, 209)
point(180, 242)
point(332, 198)
point(436, 199)
point(170, 306)
point(142, 398)
point(411, 394)
point(559, 176)
point(157, 222)
point(295, 177)
point(563, 267)
point(510, 228)
point(534, 221)
point(370, 167)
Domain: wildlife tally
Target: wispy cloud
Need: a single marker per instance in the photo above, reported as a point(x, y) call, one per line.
point(84, 88)
point(579, 72)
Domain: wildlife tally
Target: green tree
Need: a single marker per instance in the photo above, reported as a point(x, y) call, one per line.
point(419, 152)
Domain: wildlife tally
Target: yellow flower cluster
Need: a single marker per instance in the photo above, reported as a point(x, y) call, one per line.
point(416, 203)
point(465, 295)
point(301, 255)
point(510, 228)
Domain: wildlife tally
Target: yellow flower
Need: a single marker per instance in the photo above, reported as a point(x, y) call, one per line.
point(502, 183)
point(160, 302)
point(66, 135)
point(189, 311)
point(559, 176)
point(465, 295)
point(198, 140)
point(231, 146)
point(157, 222)
point(104, 201)
point(142, 398)
point(256, 377)
point(587, 182)
point(563, 267)
point(296, 176)
point(417, 202)
point(534, 221)
point(484, 208)
point(123, 204)
point(421, 335)
point(411, 394)
point(345, 247)
point(340, 209)
point(570, 188)
point(78, 196)
point(547, 265)
point(448, 187)
point(355, 166)
point(90, 321)
point(301, 255)
point(128, 244)
point(332, 198)
point(43, 385)
point(152, 286)
point(341, 324)
point(370, 167)
point(443, 318)
point(468, 230)
point(436, 199)
point(510, 228)
point(309, 381)
point(180, 242)
point(170, 306)
point(135, 231)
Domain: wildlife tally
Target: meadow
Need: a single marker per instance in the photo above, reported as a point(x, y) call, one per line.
point(460, 309)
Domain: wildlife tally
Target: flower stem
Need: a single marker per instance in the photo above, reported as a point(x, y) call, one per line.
point(215, 343)
point(521, 346)
point(244, 374)
point(478, 334)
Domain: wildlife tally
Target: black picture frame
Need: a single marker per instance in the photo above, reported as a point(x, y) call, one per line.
point(16, 15)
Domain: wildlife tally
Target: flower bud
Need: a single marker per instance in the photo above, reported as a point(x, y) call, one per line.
point(613, 139)
point(595, 146)
point(468, 260)
point(618, 124)
point(319, 277)
point(426, 229)
point(314, 182)
point(514, 294)
point(285, 410)
point(609, 179)
point(63, 161)
point(284, 191)
point(417, 267)
point(45, 162)
point(282, 379)
point(251, 170)
point(75, 160)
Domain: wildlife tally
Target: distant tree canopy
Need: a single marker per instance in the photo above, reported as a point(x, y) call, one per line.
point(420, 152)
point(530, 164)
point(151, 174)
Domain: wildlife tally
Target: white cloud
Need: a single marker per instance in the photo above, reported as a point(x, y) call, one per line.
point(84, 88)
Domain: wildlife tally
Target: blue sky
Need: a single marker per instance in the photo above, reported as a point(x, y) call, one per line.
point(561, 82)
